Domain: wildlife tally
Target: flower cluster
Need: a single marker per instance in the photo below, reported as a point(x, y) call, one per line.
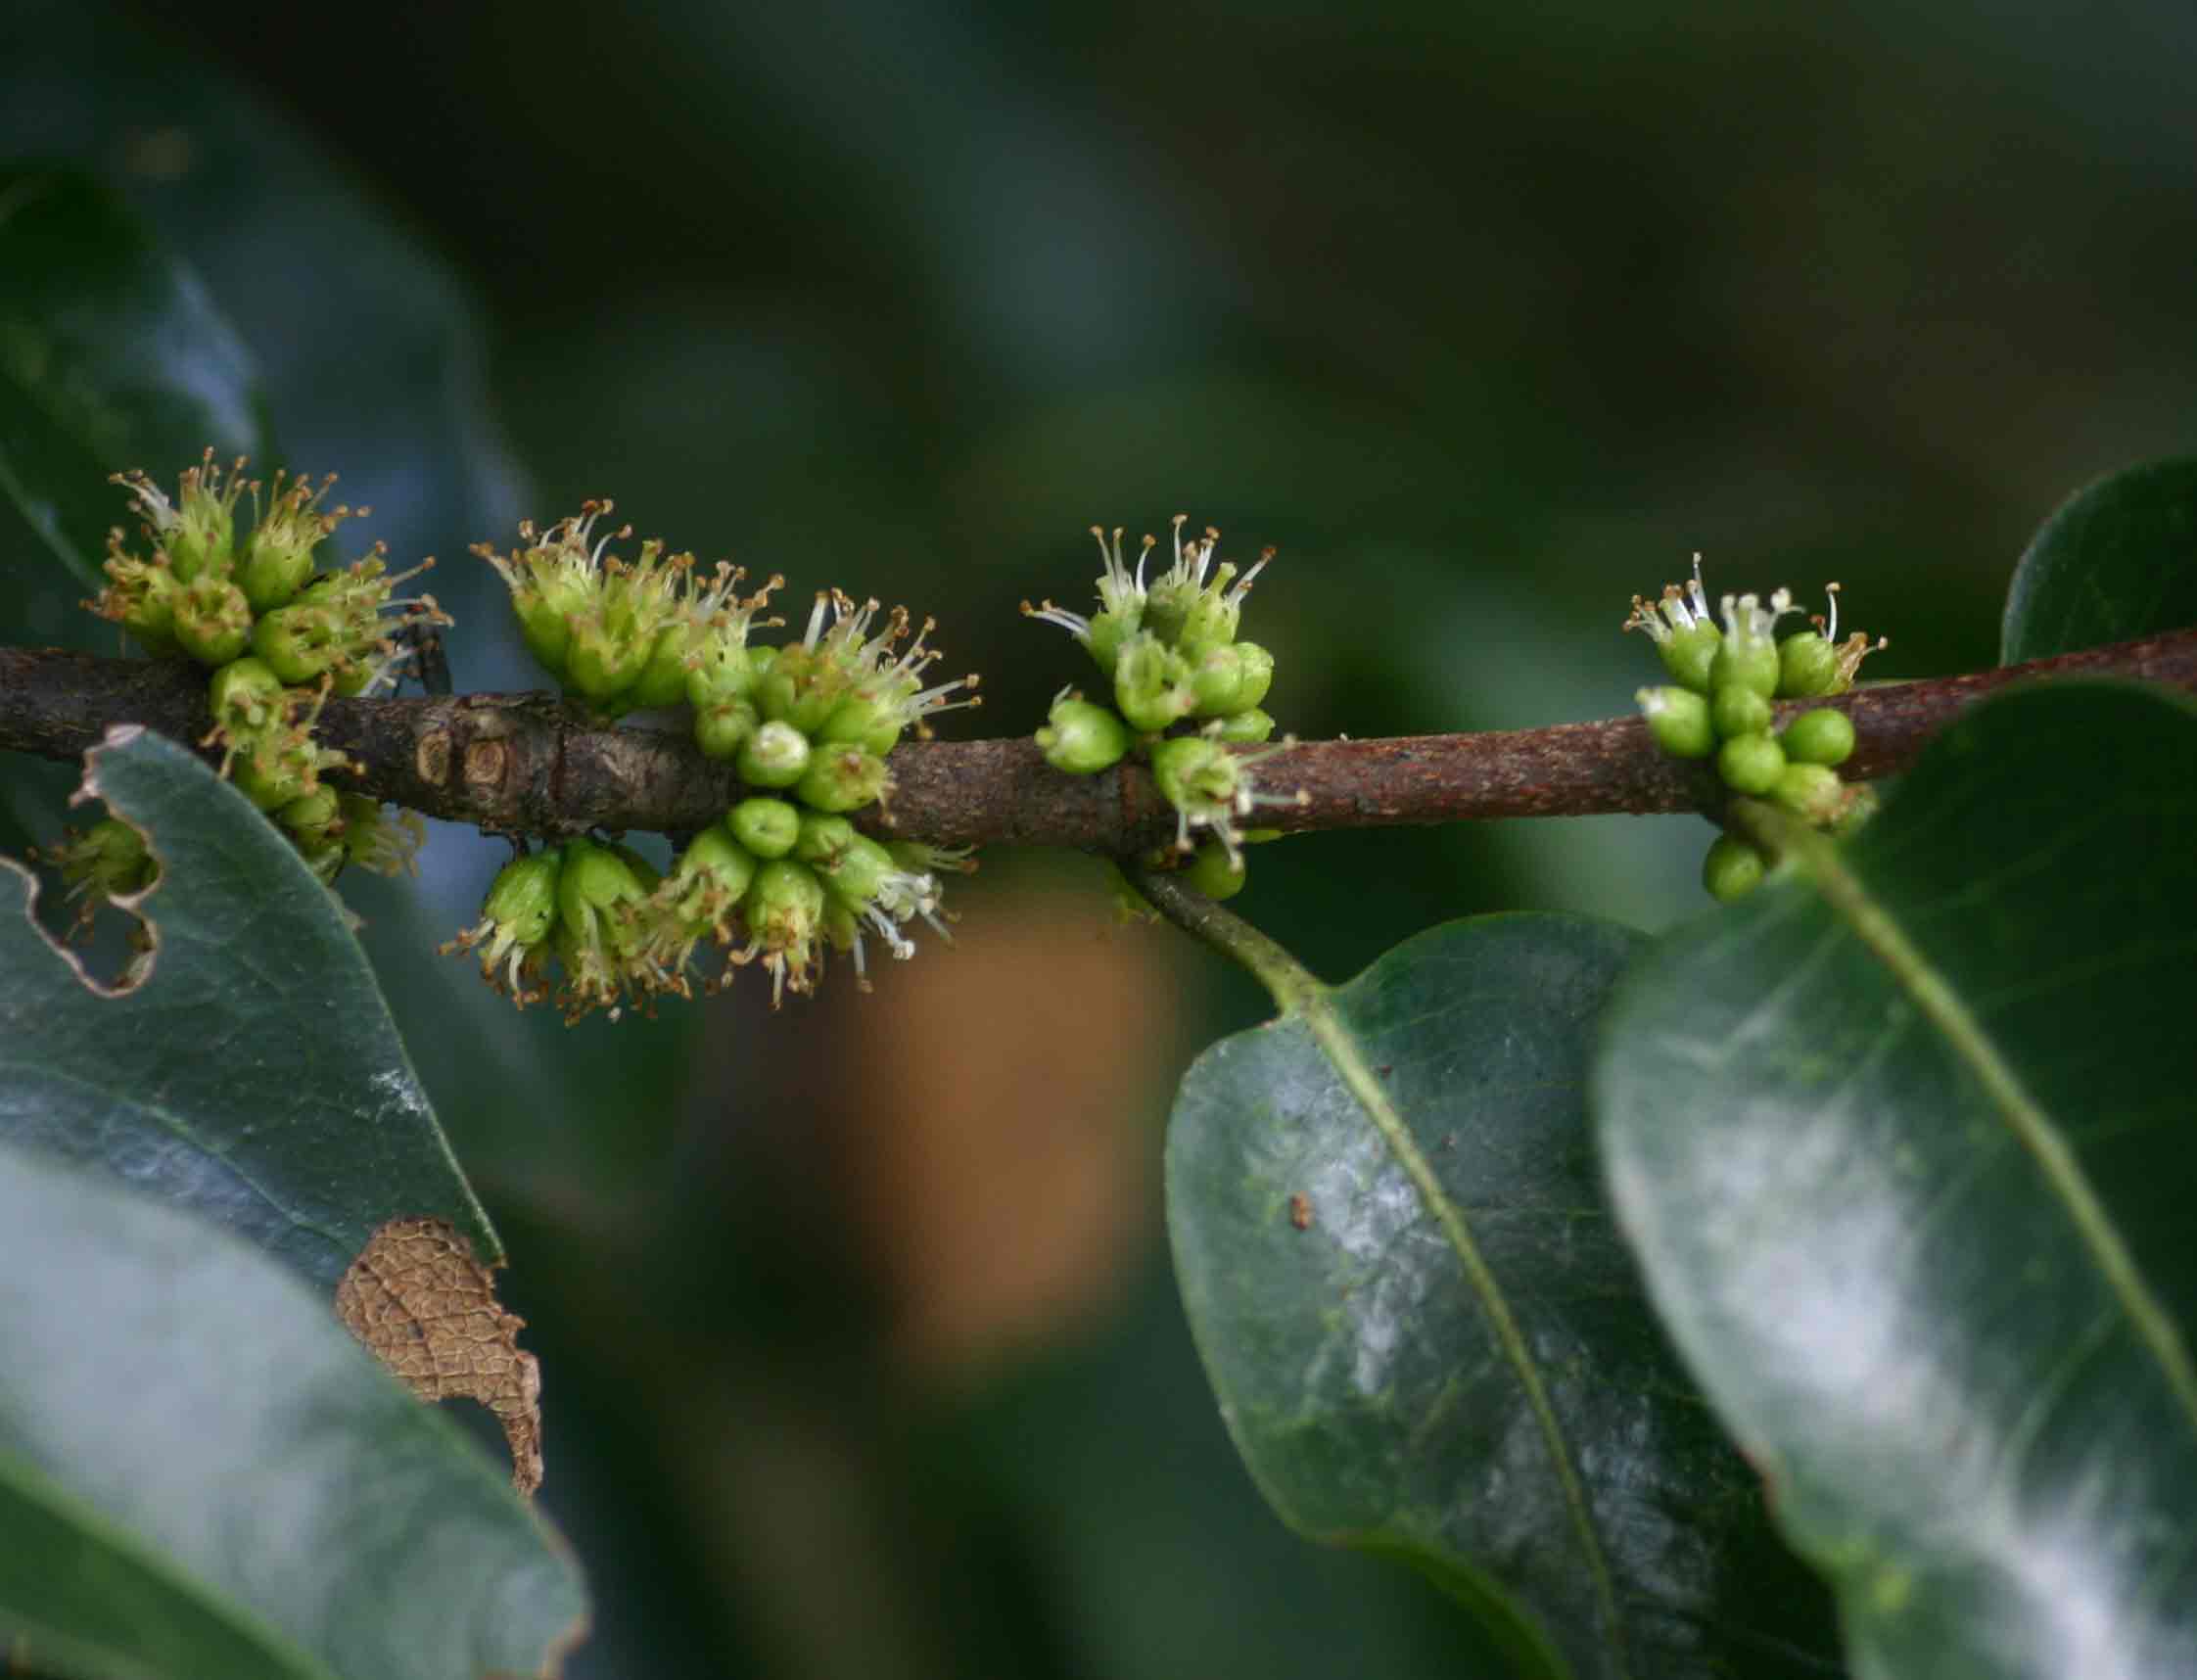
point(1721, 708)
point(1185, 692)
point(771, 881)
point(808, 723)
point(278, 633)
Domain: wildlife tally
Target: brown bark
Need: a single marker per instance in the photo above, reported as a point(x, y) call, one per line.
point(528, 764)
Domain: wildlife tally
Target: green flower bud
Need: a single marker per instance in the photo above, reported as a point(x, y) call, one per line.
point(272, 577)
point(1816, 663)
point(1210, 785)
point(1678, 719)
point(606, 654)
point(1739, 711)
point(316, 818)
point(1214, 872)
point(823, 840)
point(335, 628)
point(1245, 728)
point(1682, 626)
point(844, 932)
point(278, 559)
point(140, 597)
point(1750, 764)
point(1820, 737)
point(801, 689)
point(1812, 792)
point(723, 729)
point(246, 697)
point(1749, 656)
point(197, 532)
point(1108, 634)
point(776, 754)
point(515, 925)
point(273, 776)
point(600, 897)
point(281, 761)
point(559, 578)
point(1121, 599)
point(863, 719)
point(843, 779)
point(663, 679)
point(699, 899)
point(768, 827)
point(784, 910)
point(720, 667)
point(715, 857)
point(857, 870)
point(1258, 665)
point(299, 643)
point(594, 881)
point(1217, 677)
point(879, 890)
point(1193, 611)
point(1733, 868)
point(1191, 769)
point(1807, 665)
point(213, 619)
point(842, 686)
point(1153, 685)
point(1082, 738)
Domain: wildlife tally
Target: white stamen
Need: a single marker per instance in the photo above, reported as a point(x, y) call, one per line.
point(1075, 623)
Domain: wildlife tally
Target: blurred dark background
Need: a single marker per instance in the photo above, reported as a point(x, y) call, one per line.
point(863, 1357)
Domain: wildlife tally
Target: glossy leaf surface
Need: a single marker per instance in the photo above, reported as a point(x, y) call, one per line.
point(253, 1073)
point(203, 1477)
point(1909, 1149)
point(1426, 1335)
point(112, 356)
point(2117, 561)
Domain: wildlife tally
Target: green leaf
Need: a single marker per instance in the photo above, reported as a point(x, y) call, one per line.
point(2118, 561)
point(203, 1476)
point(112, 356)
point(1441, 1351)
point(1909, 1152)
point(253, 1074)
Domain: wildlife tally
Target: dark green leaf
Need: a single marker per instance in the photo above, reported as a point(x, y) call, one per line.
point(112, 356)
point(203, 1477)
point(1426, 1335)
point(1910, 1152)
point(2118, 561)
point(254, 1073)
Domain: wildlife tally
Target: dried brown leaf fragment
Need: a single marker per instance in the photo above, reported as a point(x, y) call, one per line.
point(426, 1307)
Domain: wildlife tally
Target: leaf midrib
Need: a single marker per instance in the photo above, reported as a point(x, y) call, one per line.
point(1315, 1004)
point(1871, 922)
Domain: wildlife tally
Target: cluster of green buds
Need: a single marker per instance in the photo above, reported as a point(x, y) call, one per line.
point(278, 633)
point(1720, 708)
point(809, 725)
point(1185, 692)
point(771, 881)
